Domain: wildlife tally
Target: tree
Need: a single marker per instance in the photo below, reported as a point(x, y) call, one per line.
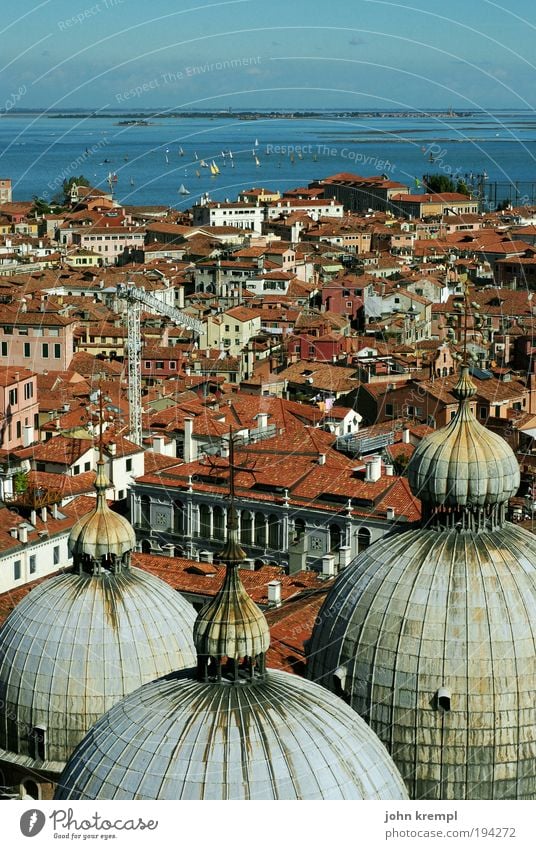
point(438, 183)
point(68, 184)
point(20, 482)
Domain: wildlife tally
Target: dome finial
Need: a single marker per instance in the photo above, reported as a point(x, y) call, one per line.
point(231, 629)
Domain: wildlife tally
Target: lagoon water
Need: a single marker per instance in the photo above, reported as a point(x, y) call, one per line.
point(39, 151)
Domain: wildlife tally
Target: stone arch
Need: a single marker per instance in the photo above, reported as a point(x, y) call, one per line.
point(363, 539)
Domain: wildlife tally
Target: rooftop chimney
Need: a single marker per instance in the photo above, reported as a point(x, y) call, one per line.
point(373, 468)
point(390, 514)
point(405, 435)
point(328, 566)
point(23, 533)
point(321, 459)
point(274, 593)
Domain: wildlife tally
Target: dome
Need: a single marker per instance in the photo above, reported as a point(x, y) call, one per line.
point(430, 636)
point(77, 644)
point(101, 532)
point(230, 729)
point(280, 738)
point(463, 464)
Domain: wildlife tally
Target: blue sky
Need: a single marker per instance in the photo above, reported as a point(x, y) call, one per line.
point(133, 54)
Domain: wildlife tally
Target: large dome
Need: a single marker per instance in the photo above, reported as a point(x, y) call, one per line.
point(230, 729)
point(76, 645)
point(280, 738)
point(431, 637)
point(463, 464)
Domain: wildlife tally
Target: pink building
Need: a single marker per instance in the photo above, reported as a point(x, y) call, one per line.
point(19, 408)
point(42, 341)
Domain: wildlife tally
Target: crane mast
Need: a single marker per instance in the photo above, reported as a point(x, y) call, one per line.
point(136, 297)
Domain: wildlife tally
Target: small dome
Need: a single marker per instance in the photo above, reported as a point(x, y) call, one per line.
point(280, 738)
point(463, 464)
point(101, 532)
point(430, 635)
point(77, 644)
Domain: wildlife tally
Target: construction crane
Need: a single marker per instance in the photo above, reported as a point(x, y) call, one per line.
point(135, 298)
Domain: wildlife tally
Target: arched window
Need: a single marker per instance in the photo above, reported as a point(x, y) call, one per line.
point(145, 546)
point(273, 532)
point(260, 530)
point(145, 506)
point(178, 517)
point(363, 539)
point(299, 528)
point(29, 789)
point(218, 518)
point(246, 527)
point(334, 537)
point(204, 521)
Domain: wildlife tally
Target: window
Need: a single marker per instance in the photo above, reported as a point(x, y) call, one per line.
point(39, 742)
point(147, 364)
point(28, 391)
point(389, 410)
point(16, 570)
point(129, 464)
point(87, 466)
point(32, 564)
point(497, 410)
point(44, 350)
point(159, 364)
point(57, 351)
point(121, 494)
point(8, 330)
point(56, 555)
point(18, 430)
point(172, 364)
point(13, 396)
point(4, 349)
point(76, 470)
point(27, 349)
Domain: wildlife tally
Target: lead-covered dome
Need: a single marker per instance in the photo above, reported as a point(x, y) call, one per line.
point(230, 729)
point(431, 636)
point(79, 643)
point(280, 738)
point(463, 464)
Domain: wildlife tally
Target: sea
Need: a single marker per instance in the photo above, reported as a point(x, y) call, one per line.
point(176, 160)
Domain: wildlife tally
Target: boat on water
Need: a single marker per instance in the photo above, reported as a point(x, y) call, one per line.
point(132, 183)
point(214, 170)
point(181, 152)
point(257, 163)
point(183, 190)
point(203, 164)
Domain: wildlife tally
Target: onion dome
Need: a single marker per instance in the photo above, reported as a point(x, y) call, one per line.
point(102, 538)
point(231, 729)
point(430, 636)
point(464, 468)
point(231, 626)
point(77, 644)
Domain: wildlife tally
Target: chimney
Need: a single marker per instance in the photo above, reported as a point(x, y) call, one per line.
point(373, 468)
point(345, 555)
point(54, 511)
point(248, 564)
point(44, 514)
point(389, 469)
point(405, 435)
point(328, 566)
point(14, 533)
point(33, 517)
point(262, 421)
point(274, 593)
point(169, 549)
point(112, 449)
point(23, 533)
point(390, 514)
point(27, 435)
point(206, 556)
point(321, 459)
point(188, 440)
point(158, 444)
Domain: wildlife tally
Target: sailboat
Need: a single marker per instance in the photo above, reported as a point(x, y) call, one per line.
point(198, 173)
point(214, 170)
point(256, 142)
point(132, 181)
point(183, 190)
point(181, 152)
point(203, 164)
point(257, 163)
point(167, 157)
point(195, 155)
point(231, 158)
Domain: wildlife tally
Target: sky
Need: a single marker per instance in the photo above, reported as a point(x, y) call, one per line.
point(287, 54)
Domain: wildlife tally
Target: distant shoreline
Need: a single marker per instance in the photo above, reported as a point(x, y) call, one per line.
point(246, 115)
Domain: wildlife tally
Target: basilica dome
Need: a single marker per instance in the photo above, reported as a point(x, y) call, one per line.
point(82, 640)
point(430, 633)
point(230, 729)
